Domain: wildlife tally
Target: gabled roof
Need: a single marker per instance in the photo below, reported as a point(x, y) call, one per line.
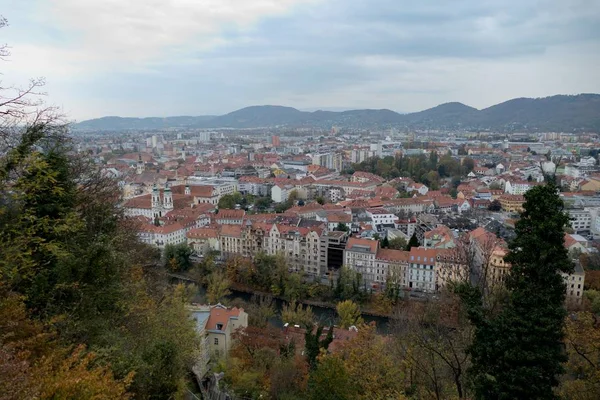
point(220, 314)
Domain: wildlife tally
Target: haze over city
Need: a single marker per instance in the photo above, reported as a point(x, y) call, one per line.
point(155, 58)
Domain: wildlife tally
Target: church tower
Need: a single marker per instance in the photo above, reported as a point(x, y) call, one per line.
point(140, 165)
point(168, 199)
point(156, 205)
point(188, 191)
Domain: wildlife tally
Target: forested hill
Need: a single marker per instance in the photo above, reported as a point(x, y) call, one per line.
point(560, 113)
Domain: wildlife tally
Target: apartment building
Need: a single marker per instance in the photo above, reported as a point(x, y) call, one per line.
point(360, 256)
point(421, 271)
point(301, 247)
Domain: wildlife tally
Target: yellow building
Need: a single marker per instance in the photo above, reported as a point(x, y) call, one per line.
point(498, 268)
point(512, 202)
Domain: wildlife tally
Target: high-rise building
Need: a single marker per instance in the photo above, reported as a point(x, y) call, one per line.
point(275, 141)
point(203, 136)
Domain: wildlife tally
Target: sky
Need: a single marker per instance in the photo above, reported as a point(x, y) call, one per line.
point(208, 57)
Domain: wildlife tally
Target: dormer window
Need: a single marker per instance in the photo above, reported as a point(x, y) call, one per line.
point(220, 327)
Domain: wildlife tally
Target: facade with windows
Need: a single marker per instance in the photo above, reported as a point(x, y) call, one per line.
point(421, 272)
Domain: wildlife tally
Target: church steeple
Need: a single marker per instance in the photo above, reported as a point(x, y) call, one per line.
point(156, 204)
point(168, 199)
point(140, 165)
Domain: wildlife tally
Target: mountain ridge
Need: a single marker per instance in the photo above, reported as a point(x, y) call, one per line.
point(565, 113)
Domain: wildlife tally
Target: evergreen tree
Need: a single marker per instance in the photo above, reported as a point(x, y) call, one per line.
point(413, 242)
point(517, 353)
point(385, 243)
point(313, 344)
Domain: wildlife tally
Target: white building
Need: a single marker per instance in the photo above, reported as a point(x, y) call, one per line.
point(360, 256)
point(280, 193)
point(380, 216)
point(421, 273)
point(517, 186)
point(418, 187)
point(581, 220)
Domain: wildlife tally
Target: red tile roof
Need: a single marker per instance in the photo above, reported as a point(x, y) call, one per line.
point(392, 255)
point(221, 315)
point(202, 233)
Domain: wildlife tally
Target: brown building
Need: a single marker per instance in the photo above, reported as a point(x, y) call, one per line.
point(275, 141)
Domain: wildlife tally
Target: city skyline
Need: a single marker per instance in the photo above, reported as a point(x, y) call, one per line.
point(149, 59)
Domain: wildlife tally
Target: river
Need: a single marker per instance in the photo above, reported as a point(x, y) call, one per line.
point(323, 315)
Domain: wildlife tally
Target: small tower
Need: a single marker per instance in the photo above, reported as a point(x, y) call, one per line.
point(188, 191)
point(156, 204)
point(140, 165)
point(168, 199)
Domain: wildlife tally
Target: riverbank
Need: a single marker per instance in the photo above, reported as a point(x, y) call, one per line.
point(313, 303)
point(325, 312)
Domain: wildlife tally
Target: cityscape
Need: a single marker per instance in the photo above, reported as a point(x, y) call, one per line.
point(289, 200)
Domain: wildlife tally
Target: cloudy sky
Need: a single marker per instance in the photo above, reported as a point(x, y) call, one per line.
point(195, 57)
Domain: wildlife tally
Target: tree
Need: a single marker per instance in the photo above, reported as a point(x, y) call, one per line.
point(292, 197)
point(593, 296)
point(263, 203)
point(314, 345)
point(582, 341)
point(217, 287)
point(342, 227)
point(432, 338)
point(320, 200)
point(385, 243)
point(517, 352)
point(330, 380)
point(296, 314)
point(177, 257)
point(413, 242)
point(349, 314)
point(468, 164)
point(293, 287)
point(398, 243)
point(229, 201)
point(495, 206)
point(71, 263)
point(367, 360)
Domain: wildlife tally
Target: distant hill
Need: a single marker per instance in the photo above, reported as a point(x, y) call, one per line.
point(150, 123)
point(447, 115)
point(556, 113)
point(259, 116)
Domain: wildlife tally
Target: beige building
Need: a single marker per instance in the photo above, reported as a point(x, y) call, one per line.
point(391, 266)
point(203, 240)
point(230, 239)
point(449, 267)
point(512, 202)
point(301, 247)
point(216, 325)
point(360, 256)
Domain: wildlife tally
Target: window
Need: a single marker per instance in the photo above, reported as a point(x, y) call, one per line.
point(220, 327)
point(216, 341)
